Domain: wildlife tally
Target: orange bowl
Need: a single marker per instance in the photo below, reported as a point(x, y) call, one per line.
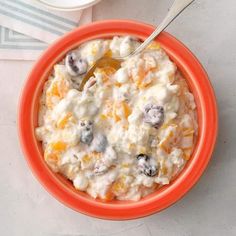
point(61, 188)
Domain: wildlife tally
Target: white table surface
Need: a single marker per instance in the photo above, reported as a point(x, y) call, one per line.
point(208, 28)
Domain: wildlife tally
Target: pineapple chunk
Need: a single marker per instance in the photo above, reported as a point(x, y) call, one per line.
point(63, 121)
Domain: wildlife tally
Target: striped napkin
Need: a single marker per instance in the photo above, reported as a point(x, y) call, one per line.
point(27, 27)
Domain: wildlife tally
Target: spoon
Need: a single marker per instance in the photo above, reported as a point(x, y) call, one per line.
point(175, 10)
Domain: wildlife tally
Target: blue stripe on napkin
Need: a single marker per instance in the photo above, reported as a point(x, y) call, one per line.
point(12, 40)
point(53, 16)
point(36, 17)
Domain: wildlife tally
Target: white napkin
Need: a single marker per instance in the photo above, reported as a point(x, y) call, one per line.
point(27, 27)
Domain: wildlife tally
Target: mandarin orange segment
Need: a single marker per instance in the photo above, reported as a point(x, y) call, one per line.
point(108, 53)
point(64, 120)
point(51, 92)
point(139, 77)
point(106, 72)
point(126, 108)
point(96, 155)
point(63, 88)
point(164, 170)
point(187, 154)
point(59, 146)
point(51, 157)
point(119, 186)
point(144, 84)
point(154, 46)
point(103, 117)
point(57, 89)
point(166, 125)
point(49, 103)
point(109, 195)
point(141, 80)
point(86, 159)
point(165, 145)
point(54, 90)
point(115, 116)
point(117, 84)
point(51, 154)
point(121, 107)
point(108, 108)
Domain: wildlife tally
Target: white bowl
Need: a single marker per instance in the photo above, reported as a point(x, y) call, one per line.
point(68, 5)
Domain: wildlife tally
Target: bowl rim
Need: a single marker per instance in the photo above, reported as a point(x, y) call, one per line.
point(168, 195)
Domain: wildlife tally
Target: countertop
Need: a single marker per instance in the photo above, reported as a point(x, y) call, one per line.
point(208, 28)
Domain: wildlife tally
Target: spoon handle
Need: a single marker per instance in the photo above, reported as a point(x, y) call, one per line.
point(177, 7)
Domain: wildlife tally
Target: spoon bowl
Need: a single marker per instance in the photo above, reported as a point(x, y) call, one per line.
point(175, 10)
point(100, 63)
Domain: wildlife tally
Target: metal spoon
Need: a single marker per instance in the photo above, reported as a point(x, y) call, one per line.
point(175, 10)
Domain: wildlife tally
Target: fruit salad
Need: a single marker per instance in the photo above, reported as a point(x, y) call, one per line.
point(129, 132)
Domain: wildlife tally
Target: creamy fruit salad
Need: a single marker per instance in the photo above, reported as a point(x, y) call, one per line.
point(129, 132)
